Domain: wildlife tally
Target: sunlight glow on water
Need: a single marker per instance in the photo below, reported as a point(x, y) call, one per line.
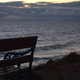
point(54, 38)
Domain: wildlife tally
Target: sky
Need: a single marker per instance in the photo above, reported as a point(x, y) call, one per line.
point(40, 11)
point(33, 1)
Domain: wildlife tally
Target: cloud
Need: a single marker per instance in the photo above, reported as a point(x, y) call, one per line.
point(12, 4)
point(72, 4)
point(12, 16)
point(41, 10)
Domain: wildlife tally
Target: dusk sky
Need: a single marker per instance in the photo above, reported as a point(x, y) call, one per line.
point(33, 1)
point(42, 10)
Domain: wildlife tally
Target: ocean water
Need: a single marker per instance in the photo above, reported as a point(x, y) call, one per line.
point(55, 38)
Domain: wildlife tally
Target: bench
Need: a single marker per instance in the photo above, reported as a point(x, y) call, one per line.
point(11, 66)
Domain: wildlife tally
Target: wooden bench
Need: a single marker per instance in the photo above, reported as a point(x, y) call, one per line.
point(8, 66)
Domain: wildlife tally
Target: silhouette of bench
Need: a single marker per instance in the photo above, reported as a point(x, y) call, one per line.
point(8, 68)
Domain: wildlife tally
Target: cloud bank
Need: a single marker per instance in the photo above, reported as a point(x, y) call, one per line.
point(40, 11)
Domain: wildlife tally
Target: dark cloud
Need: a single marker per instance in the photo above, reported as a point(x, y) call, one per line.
point(72, 4)
point(40, 10)
point(12, 4)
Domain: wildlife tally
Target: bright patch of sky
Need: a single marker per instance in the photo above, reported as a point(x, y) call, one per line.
point(33, 1)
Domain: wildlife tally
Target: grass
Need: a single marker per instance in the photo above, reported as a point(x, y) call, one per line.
point(67, 68)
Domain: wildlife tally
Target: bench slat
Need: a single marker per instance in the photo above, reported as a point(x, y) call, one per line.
point(15, 61)
point(17, 43)
point(14, 71)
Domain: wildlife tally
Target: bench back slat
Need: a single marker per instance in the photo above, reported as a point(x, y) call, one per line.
point(17, 43)
point(15, 61)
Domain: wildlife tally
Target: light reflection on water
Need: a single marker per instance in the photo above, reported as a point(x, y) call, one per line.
point(54, 38)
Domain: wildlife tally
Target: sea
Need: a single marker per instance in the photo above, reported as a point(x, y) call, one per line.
point(55, 38)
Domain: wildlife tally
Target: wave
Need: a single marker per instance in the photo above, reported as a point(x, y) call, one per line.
point(57, 46)
point(42, 58)
point(48, 58)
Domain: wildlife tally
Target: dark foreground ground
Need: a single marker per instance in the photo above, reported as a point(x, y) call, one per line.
point(67, 68)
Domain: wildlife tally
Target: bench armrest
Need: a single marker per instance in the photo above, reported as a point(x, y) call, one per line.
point(15, 54)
